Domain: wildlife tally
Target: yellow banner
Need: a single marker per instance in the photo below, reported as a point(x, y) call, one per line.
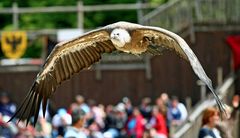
point(14, 44)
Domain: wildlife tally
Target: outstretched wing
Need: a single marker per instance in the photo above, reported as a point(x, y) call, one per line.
point(168, 40)
point(65, 60)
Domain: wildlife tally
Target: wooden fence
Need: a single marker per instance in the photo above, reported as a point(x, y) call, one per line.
point(225, 12)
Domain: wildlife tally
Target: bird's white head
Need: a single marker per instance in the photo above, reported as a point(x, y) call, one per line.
point(120, 37)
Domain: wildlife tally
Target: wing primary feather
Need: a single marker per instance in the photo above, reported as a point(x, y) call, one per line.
point(44, 98)
point(47, 87)
point(39, 89)
point(84, 58)
point(44, 105)
point(69, 65)
point(73, 62)
point(95, 53)
point(18, 112)
point(25, 104)
point(106, 46)
point(99, 48)
point(80, 60)
point(65, 70)
point(220, 105)
point(89, 55)
point(61, 69)
point(53, 75)
point(54, 82)
point(37, 107)
point(31, 109)
point(77, 60)
point(154, 51)
point(57, 73)
point(106, 43)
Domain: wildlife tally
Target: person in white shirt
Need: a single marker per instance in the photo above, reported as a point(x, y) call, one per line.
point(76, 130)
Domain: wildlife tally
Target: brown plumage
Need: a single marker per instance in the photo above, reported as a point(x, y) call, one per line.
point(72, 56)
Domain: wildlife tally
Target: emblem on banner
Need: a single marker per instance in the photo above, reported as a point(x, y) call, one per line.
point(14, 43)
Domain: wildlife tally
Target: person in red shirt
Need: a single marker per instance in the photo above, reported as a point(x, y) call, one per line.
point(135, 124)
point(158, 122)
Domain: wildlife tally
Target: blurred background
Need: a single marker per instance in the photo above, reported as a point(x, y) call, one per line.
point(30, 29)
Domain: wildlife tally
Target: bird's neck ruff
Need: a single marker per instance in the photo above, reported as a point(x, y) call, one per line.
point(120, 37)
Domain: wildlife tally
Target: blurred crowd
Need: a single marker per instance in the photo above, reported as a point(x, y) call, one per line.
point(88, 119)
point(149, 119)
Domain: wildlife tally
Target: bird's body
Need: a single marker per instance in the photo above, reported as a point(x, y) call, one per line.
point(72, 56)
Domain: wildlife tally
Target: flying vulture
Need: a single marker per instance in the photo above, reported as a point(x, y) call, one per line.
point(69, 58)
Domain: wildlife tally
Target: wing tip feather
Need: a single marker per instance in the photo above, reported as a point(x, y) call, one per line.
point(29, 107)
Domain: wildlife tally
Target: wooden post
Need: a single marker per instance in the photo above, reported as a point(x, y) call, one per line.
point(203, 89)
point(15, 16)
point(188, 103)
point(80, 15)
point(191, 24)
point(148, 70)
point(219, 75)
point(98, 71)
point(139, 12)
point(44, 47)
point(197, 10)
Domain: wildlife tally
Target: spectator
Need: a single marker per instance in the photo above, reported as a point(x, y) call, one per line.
point(96, 113)
point(115, 121)
point(43, 128)
point(128, 106)
point(145, 108)
point(235, 103)
point(110, 122)
point(81, 104)
point(165, 98)
point(177, 112)
point(76, 130)
point(47, 114)
point(161, 106)
point(158, 124)
point(72, 107)
point(6, 106)
point(225, 126)
point(7, 130)
point(209, 121)
point(60, 121)
point(135, 124)
point(121, 119)
point(94, 130)
point(25, 131)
